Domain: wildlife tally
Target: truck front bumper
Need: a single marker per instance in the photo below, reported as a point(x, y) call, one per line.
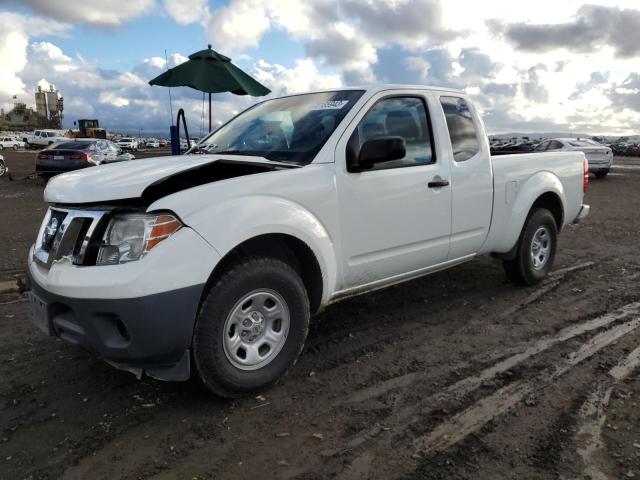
point(150, 334)
point(138, 316)
point(582, 214)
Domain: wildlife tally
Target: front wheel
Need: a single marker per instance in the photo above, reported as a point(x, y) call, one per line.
point(536, 249)
point(251, 327)
point(15, 146)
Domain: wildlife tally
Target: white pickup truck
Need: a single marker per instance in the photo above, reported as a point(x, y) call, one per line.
point(43, 138)
point(213, 262)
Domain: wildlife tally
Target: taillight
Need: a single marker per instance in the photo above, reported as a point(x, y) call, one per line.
point(79, 156)
point(42, 156)
point(585, 170)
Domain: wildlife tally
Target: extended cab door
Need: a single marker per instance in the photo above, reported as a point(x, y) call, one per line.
point(471, 175)
point(395, 216)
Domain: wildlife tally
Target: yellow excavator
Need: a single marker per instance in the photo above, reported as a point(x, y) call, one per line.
point(88, 129)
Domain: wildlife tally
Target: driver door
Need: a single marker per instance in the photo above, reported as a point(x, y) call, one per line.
point(395, 218)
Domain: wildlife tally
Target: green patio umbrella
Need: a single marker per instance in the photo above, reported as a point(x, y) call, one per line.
point(209, 71)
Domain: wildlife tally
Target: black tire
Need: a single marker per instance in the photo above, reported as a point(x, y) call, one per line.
point(214, 369)
point(521, 269)
point(601, 173)
point(15, 146)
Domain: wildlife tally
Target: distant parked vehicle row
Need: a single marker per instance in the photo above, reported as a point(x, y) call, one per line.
point(507, 148)
point(626, 149)
point(78, 153)
point(10, 142)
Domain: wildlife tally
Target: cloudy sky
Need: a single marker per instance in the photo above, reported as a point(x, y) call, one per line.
point(531, 66)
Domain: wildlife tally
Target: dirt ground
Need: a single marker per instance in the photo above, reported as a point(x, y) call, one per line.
point(456, 375)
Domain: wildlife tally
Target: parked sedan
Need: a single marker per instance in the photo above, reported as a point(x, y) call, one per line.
point(599, 157)
point(78, 153)
point(10, 142)
point(152, 143)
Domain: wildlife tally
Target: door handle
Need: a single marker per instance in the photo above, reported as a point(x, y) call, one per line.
point(438, 183)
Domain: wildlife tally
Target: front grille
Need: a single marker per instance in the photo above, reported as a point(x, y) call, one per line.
point(67, 234)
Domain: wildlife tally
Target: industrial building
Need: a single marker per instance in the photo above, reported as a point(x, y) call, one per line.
point(47, 114)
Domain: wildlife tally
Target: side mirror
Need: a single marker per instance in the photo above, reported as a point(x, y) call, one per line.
point(380, 150)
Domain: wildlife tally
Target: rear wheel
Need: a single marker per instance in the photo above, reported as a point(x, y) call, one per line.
point(251, 327)
point(601, 173)
point(536, 249)
point(15, 146)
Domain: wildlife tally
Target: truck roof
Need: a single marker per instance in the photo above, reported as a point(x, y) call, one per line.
point(380, 87)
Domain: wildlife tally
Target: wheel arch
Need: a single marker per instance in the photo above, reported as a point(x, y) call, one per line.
point(543, 190)
point(552, 202)
point(285, 247)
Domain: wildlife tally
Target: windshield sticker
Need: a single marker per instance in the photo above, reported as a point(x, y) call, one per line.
point(331, 105)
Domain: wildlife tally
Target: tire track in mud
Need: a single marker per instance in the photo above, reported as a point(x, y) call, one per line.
point(456, 427)
point(475, 417)
point(342, 342)
point(593, 415)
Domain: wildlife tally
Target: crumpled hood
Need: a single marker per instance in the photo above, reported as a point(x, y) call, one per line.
point(125, 180)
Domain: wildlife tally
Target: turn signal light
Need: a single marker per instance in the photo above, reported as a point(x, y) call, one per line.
point(164, 226)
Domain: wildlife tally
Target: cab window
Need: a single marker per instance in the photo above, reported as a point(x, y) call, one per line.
point(462, 130)
point(404, 117)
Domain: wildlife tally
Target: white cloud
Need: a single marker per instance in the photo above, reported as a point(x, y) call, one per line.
point(14, 41)
point(239, 25)
point(187, 11)
point(302, 77)
point(113, 98)
point(111, 13)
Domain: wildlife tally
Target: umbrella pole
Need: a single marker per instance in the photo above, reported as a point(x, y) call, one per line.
point(209, 113)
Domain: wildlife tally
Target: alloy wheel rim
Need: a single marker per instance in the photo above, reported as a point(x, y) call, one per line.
point(256, 329)
point(540, 248)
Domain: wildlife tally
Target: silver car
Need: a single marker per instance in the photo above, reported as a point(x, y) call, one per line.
point(600, 157)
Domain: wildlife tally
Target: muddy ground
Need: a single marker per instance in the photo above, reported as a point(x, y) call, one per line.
point(456, 375)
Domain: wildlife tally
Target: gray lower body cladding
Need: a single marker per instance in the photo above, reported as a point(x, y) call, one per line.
point(149, 334)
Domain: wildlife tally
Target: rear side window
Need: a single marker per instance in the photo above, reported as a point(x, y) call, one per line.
point(462, 130)
point(554, 145)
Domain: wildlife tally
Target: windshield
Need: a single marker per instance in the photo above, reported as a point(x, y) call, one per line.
point(288, 129)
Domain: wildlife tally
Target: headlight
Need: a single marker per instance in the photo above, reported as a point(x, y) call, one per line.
point(129, 236)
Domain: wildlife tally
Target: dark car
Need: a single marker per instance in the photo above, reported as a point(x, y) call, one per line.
point(78, 153)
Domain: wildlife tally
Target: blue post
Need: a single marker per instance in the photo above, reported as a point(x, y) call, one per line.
point(175, 140)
